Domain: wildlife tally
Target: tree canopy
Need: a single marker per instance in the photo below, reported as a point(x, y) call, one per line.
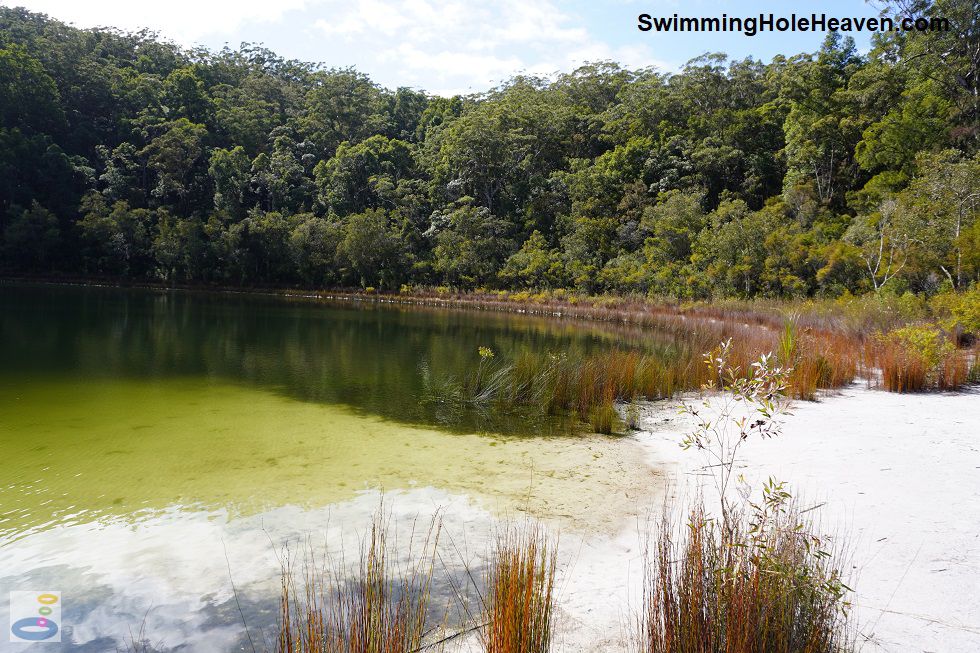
point(125, 155)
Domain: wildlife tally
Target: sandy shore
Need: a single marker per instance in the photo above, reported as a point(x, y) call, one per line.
point(899, 477)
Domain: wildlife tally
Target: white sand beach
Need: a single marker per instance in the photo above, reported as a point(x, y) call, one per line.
point(899, 480)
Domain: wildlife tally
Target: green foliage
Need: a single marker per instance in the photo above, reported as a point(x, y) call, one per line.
point(534, 265)
point(919, 357)
point(313, 244)
point(172, 155)
point(117, 238)
point(179, 248)
point(32, 239)
point(28, 96)
point(927, 342)
point(371, 250)
point(230, 173)
point(924, 341)
point(939, 208)
point(962, 310)
point(365, 175)
point(471, 247)
point(815, 174)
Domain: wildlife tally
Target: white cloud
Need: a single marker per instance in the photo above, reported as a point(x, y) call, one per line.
point(457, 71)
point(446, 47)
point(186, 21)
point(466, 45)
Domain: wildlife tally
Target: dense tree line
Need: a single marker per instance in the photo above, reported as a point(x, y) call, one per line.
point(122, 154)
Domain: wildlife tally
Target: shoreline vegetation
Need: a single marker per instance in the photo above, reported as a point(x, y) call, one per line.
point(900, 343)
point(749, 576)
point(751, 580)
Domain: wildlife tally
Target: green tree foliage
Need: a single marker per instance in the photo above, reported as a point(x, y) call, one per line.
point(29, 98)
point(815, 173)
point(534, 265)
point(471, 246)
point(371, 252)
point(369, 174)
point(117, 238)
point(231, 174)
point(178, 248)
point(32, 239)
point(940, 208)
point(172, 155)
point(313, 245)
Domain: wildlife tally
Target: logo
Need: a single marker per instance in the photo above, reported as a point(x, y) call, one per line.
point(35, 616)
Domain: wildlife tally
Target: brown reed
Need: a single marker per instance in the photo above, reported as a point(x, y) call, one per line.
point(520, 601)
point(361, 610)
point(718, 587)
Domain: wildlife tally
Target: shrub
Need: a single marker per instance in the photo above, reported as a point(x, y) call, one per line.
point(962, 311)
point(914, 358)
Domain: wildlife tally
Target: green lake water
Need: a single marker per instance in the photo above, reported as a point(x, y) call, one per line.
point(154, 445)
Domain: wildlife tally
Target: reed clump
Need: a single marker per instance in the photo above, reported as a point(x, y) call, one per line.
point(918, 358)
point(743, 586)
point(821, 361)
point(603, 417)
point(371, 608)
point(591, 385)
point(519, 606)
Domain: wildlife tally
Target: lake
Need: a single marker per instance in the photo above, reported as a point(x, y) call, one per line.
point(158, 447)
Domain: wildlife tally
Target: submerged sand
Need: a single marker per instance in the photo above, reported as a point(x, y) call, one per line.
point(898, 477)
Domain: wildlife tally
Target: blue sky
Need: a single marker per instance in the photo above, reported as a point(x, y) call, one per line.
point(456, 46)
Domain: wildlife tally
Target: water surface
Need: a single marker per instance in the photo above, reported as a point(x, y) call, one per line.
point(156, 445)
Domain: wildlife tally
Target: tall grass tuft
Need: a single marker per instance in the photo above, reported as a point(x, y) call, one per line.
point(366, 609)
point(520, 601)
point(917, 358)
point(590, 385)
point(602, 417)
point(738, 586)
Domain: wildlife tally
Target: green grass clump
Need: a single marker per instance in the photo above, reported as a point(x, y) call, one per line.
point(602, 417)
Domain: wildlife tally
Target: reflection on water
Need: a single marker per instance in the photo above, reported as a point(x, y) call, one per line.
point(171, 574)
point(145, 434)
point(370, 358)
point(187, 580)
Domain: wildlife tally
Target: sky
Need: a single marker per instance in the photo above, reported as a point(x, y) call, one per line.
point(455, 46)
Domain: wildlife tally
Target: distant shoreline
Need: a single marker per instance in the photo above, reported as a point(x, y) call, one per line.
point(622, 309)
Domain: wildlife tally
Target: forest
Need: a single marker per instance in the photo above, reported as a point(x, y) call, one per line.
point(125, 156)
